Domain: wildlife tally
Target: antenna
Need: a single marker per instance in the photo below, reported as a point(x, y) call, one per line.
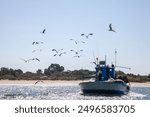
point(116, 61)
point(94, 57)
point(124, 67)
point(105, 60)
point(115, 57)
point(97, 60)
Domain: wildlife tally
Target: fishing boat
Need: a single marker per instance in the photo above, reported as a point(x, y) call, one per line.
point(105, 81)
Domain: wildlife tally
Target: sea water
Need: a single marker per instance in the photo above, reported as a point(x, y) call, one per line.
point(65, 92)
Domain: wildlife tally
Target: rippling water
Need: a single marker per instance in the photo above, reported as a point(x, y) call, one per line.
point(64, 92)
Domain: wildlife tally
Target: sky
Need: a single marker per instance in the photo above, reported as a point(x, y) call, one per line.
point(22, 21)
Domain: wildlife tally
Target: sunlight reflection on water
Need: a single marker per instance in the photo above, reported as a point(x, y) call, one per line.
point(64, 92)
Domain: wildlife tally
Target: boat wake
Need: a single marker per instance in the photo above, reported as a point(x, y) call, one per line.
point(134, 95)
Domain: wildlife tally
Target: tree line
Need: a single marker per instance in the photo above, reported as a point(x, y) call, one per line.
point(57, 72)
point(53, 72)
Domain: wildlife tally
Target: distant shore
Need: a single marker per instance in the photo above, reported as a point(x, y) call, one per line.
point(44, 81)
point(65, 82)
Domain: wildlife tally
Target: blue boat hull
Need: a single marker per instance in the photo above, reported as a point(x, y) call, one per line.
point(105, 87)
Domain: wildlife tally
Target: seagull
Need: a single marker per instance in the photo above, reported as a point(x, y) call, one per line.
point(78, 56)
point(82, 42)
point(54, 54)
point(36, 59)
point(26, 61)
point(43, 32)
point(35, 42)
point(38, 82)
point(82, 34)
point(76, 52)
point(87, 36)
point(56, 50)
point(110, 28)
point(37, 50)
point(94, 63)
point(72, 50)
point(76, 42)
point(62, 53)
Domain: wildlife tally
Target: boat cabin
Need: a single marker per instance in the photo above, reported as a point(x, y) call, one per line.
point(104, 72)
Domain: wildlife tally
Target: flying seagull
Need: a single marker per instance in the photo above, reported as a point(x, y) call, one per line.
point(62, 53)
point(111, 29)
point(43, 32)
point(74, 41)
point(78, 56)
point(94, 63)
point(82, 42)
point(82, 34)
point(38, 82)
point(56, 50)
point(35, 42)
point(36, 59)
point(76, 52)
point(54, 54)
point(37, 50)
point(87, 36)
point(26, 61)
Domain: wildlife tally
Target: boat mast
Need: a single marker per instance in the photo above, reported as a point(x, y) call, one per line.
point(115, 57)
point(105, 60)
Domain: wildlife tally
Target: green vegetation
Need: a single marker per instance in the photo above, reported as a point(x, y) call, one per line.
point(134, 78)
point(56, 72)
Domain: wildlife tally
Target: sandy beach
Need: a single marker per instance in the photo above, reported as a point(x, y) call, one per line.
point(44, 81)
point(137, 84)
point(50, 82)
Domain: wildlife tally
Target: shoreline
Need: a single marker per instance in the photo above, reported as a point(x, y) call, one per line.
point(65, 82)
point(44, 81)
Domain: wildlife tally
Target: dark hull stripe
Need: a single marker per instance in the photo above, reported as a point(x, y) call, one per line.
point(105, 91)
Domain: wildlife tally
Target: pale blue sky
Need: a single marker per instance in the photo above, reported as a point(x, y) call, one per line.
point(22, 21)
